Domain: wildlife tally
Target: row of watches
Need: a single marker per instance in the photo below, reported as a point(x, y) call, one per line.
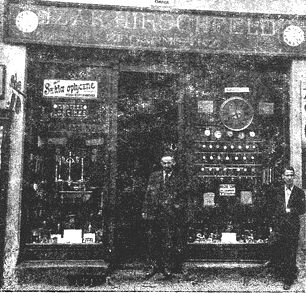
point(216, 134)
point(229, 171)
point(229, 147)
point(218, 158)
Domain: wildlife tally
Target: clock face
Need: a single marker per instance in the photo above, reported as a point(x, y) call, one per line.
point(27, 21)
point(236, 113)
point(293, 35)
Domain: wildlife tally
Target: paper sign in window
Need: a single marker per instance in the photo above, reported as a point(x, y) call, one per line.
point(246, 197)
point(206, 107)
point(265, 108)
point(208, 199)
point(227, 190)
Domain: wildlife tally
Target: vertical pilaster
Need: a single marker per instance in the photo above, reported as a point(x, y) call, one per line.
point(14, 58)
point(297, 127)
point(297, 136)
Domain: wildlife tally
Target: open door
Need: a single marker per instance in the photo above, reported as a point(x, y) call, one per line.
point(148, 126)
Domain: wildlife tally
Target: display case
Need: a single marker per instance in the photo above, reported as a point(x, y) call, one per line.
point(68, 174)
point(66, 193)
point(238, 145)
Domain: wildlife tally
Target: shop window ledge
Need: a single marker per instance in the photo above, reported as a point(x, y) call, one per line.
point(64, 272)
point(63, 252)
point(221, 252)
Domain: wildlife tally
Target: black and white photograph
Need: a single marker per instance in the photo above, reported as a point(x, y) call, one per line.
point(152, 146)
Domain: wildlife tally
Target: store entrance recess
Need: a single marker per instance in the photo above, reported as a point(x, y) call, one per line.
point(147, 126)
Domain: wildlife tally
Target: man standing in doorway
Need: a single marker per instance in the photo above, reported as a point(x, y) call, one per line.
point(164, 208)
point(287, 204)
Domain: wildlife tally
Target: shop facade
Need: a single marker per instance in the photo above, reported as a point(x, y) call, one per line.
point(107, 90)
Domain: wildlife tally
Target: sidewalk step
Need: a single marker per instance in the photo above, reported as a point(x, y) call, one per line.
point(66, 272)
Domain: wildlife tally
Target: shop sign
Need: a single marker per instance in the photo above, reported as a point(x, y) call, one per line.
point(155, 30)
point(82, 89)
point(227, 190)
point(237, 90)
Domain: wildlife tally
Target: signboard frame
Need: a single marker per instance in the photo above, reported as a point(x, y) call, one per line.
point(145, 29)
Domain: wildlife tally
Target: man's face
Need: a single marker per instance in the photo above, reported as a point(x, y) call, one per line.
point(288, 177)
point(167, 163)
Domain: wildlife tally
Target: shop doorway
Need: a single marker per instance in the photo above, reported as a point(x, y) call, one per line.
point(147, 127)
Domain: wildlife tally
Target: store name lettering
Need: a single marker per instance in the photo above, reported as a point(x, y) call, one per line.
point(157, 22)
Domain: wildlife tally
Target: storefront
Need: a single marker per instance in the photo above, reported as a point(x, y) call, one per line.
point(110, 89)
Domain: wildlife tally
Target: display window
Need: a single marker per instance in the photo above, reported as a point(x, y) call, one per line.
point(239, 143)
point(66, 154)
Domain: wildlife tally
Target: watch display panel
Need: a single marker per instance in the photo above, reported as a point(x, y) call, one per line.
point(236, 113)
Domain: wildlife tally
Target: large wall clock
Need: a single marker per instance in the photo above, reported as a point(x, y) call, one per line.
point(293, 35)
point(27, 21)
point(236, 113)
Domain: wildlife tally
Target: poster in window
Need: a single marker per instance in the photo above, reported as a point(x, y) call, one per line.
point(208, 199)
point(206, 107)
point(246, 197)
point(265, 108)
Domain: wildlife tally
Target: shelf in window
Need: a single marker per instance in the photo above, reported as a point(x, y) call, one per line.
point(228, 166)
point(229, 176)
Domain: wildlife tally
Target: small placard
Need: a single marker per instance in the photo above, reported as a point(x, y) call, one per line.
point(94, 141)
point(206, 107)
point(57, 140)
point(162, 3)
point(208, 199)
point(227, 190)
point(56, 238)
point(72, 236)
point(246, 197)
point(89, 238)
point(265, 108)
point(228, 237)
point(237, 90)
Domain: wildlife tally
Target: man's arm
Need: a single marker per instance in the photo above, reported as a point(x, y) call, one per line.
point(148, 200)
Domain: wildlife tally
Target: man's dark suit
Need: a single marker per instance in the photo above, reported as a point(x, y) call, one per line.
point(286, 227)
point(165, 205)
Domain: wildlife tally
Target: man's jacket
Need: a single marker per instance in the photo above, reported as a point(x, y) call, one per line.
point(165, 201)
point(286, 224)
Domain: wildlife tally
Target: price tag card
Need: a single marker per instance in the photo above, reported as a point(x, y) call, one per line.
point(89, 238)
point(208, 199)
point(246, 197)
point(227, 190)
point(206, 107)
point(72, 235)
point(265, 108)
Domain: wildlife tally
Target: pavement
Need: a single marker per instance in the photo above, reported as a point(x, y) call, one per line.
point(197, 277)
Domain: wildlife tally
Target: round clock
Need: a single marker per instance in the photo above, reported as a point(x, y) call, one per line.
point(236, 113)
point(27, 21)
point(293, 35)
